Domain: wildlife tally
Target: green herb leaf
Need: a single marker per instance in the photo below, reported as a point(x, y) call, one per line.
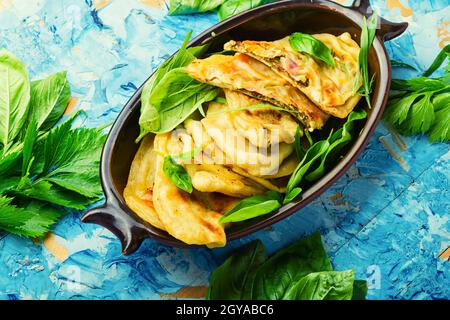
point(177, 174)
point(306, 43)
point(233, 280)
point(275, 276)
point(441, 126)
point(49, 99)
point(253, 207)
point(29, 141)
point(311, 156)
point(400, 64)
point(420, 105)
point(176, 97)
point(292, 194)
point(338, 140)
point(180, 7)
point(170, 95)
point(359, 290)
point(67, 159)
point(14, 98)
point(32, 221)
point(328, 285)
point(234, 7)
point(417, 85)
point(300, 271)
point(369, 29)
point(45, 191)
point(442, 56)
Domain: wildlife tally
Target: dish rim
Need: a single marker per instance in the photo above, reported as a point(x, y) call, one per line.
point(138, 230)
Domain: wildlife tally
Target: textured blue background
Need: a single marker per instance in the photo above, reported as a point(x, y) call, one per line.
point(388, 217)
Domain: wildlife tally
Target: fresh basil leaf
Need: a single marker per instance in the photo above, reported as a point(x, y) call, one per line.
point(233, 280)
point(400, 64)
point(49, 100)
point(176, 97)
point(166, 86)
point(234, 7)
point(253, 207)
point(29, 141)
point(180, 7)
point(327, 285)
point(292, 194)
point(14, 98)
point(369, 29)
point(275, 276)
point(306, 43)
point(359, 290)
point(311, 156)
point(177, 174)
point(338, 140)
point(438, 61)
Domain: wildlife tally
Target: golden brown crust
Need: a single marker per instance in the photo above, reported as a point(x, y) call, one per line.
point(330, 88)
point(249, 76)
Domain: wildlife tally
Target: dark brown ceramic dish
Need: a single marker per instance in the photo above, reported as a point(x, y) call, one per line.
point(269, 22)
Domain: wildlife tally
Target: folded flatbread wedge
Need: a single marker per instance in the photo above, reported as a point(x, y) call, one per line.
point(185, 216)
point(138, 193)
point(251, 77)
point(330, 88)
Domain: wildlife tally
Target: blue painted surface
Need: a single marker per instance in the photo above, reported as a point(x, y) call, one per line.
point(386, 218)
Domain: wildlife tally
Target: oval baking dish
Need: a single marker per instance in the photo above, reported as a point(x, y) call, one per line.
point(269, 22)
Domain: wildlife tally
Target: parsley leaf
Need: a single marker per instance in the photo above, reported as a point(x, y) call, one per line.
point(25, 221)
point(422, 105)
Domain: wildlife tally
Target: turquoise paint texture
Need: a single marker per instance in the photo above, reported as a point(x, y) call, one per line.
point(387, 219)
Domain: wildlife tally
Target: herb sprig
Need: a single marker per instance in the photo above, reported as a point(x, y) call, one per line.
point(306, 43)
point(302, 271)
point(369, 29)
point(42, 170)
point(422, 105)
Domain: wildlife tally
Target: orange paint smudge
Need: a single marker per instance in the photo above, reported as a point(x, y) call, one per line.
point(394, 154)
point(396, 138)
point(58, 250)
point(336, 196)
point(443, 33)
point(154, 3)
point(98, 4)
point(396, 4)
point(187, 293)
point(445, 254)
point(72, 103)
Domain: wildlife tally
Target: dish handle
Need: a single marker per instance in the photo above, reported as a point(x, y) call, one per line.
point(388, 30)
point(130, 233)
